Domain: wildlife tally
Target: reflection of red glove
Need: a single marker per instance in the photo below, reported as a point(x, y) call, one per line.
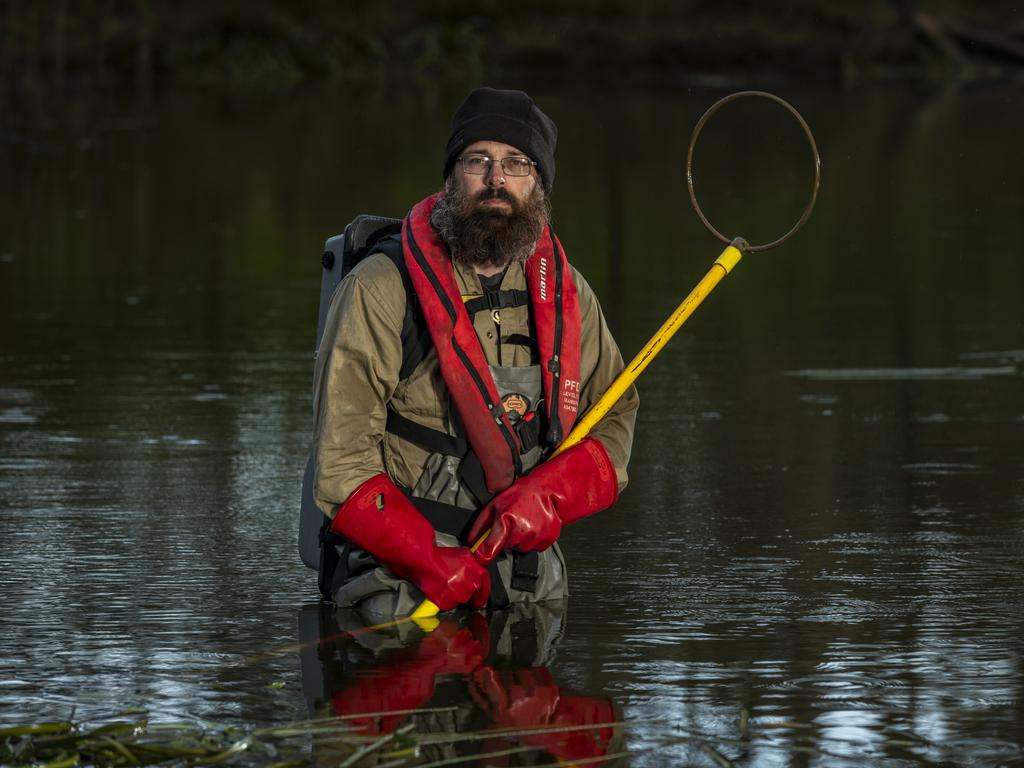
point(529, 514)
point(380, 518)
point(585, 742)
point(530, 698)
point(516, 698)
point(405, 680)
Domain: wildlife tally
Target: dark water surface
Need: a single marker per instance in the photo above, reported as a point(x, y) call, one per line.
point(818, 560)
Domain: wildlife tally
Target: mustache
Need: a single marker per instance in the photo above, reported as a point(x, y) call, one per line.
point(495, 193)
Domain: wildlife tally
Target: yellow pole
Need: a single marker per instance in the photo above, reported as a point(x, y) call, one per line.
point(723, 265)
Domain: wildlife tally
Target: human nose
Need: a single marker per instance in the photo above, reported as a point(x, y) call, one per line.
point(496, 174)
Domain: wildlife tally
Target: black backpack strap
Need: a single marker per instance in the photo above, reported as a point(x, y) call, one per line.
point(333, 570)
point(498, 599)
point(416, 341)
point(432, 440)
point(362, 236)
point(471, 475)
point(471, 472)
point(446, 518)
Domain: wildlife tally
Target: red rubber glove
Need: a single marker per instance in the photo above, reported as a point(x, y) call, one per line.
point(529, 514)
point(378, 517)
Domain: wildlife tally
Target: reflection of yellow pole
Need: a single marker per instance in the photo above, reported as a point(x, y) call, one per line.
point(723, 265)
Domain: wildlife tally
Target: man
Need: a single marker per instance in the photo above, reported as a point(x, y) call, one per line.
point(453, 362)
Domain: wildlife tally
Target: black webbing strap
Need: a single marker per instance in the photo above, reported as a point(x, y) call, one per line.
point(416, 341)
point(329, 574)
point(523, 341)
point(471, 471)
point(334, 567)
point(497, 300)
point(525, 570)
point(446, 518)
point(499, 595)
point(471, 475)
point(432, 440)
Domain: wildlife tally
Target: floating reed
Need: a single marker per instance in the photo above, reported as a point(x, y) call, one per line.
point(66, 744)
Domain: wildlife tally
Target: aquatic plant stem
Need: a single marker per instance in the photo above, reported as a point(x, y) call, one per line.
point(359, 754)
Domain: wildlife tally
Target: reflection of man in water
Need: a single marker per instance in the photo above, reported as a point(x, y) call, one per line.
point(473, 676)
point(455, 359)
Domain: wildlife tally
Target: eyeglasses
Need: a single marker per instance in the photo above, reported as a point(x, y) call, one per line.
point(478, 165)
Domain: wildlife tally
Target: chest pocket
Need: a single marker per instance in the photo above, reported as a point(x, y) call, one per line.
point(521, 394)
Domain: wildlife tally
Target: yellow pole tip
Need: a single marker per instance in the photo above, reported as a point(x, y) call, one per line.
point(730, 257)
point(426, 610)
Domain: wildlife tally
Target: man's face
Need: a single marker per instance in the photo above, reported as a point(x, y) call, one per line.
point(492, 189)
point(490, 219)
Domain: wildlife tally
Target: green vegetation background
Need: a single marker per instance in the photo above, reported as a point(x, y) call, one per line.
point(280, 43)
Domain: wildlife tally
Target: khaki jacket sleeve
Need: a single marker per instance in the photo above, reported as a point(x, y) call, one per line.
point(356, 372)
point(600, 364)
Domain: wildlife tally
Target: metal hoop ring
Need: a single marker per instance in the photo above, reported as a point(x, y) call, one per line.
point(814, 157)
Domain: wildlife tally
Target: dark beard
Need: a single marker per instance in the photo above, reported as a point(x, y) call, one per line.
point(484, 237)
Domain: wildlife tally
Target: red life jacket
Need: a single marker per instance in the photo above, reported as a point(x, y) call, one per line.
point(556, 315)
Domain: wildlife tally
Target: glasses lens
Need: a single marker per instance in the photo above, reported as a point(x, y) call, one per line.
point(475, 164)
point(516, 166)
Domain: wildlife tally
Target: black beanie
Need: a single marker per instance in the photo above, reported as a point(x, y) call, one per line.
point(510, 117)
